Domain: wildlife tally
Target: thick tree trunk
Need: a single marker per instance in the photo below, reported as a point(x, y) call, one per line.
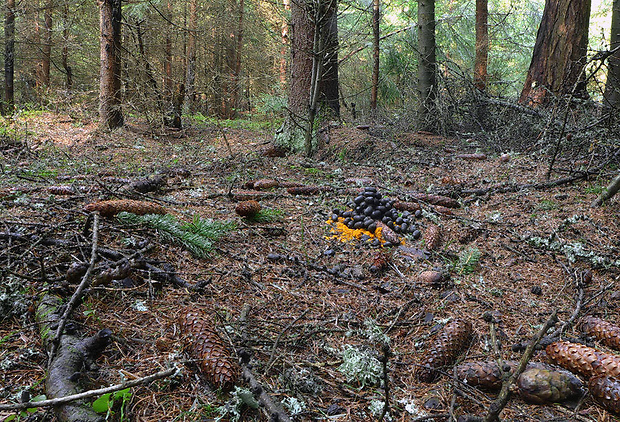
point(559, 53)
point(612, 86)
point(292, 134)
point(9, 57)
point(110, 113)
point(329, 86)
point(46, 48)
point(376, 17)
point(482, 45)
point(65, 49)
point(190, 73)
point(427, 89)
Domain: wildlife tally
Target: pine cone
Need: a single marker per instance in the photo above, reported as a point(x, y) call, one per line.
point(433, 278)
point(486, 375)
point(432, 237)
point(113, 207)
point(476, 156)
point(263, 184)
point(388, 234)
point(444, 201)
point(204, 344)
point(606, 391)
point(248, 208)
point(605, 332)
point(583, 359)
point(541, 385)
point(61, 190)
point(451, 341)
point(380, 262)
point(406, 206)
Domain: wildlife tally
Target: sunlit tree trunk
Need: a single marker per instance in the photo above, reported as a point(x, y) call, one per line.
point(482, 45)
point(9, 57)
point(427, 89)
point(376, 16)
point(612, 86)
point(285, 42)
point(559, 53)
point(110, 113)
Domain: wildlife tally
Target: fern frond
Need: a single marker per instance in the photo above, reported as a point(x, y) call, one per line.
point(468, 260)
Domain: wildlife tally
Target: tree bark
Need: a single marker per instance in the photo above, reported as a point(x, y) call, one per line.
point(9, 58)
point(190, 73)
point(612, 86)
point(236, 75)
point(559, 53)
point(376, 17)
point(285, 43)
point(609, 192)
point(329, 86)
point(427, 89)
point(482, 45)
point(46, 48)
point(168, 82)
point(110, 113)
point(65, 49)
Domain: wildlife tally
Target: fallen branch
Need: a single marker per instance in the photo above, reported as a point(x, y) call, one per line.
point(91, 393)
point(609, 192)
point(275, 410)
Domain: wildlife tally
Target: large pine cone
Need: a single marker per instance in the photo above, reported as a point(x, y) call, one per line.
point(406, 206)
point(583, 359)
point(542, 385)
point(606, 391)
point(248, 208)
point(432, 237)
point(605, 332)
point(113, 207)
point(388, 234)
point(262, 184)
point(486, 375)
point(454, 337)
point(204, 344)
point(444, 201)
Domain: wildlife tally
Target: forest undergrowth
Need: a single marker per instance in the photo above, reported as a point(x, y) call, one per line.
point(314, 319)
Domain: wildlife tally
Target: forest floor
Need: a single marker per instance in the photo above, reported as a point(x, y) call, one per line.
point(300, 301)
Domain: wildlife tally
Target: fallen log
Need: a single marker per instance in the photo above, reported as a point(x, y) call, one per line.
point(72, 355)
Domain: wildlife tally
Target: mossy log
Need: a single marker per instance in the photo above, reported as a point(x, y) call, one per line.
point(74, 355)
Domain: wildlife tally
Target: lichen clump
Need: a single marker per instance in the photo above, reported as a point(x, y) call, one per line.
point(344, 234)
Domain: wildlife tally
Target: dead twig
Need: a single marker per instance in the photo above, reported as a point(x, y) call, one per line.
point(386, 380)
point(275, 344)
point(90, 393)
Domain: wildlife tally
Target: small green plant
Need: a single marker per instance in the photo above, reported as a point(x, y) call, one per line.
point(594, 190)
point(106, 402)
point(468, 260)
point(547, 205)
point(267, 215)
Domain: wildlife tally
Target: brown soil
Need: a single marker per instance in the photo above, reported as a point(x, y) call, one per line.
point(308, 296)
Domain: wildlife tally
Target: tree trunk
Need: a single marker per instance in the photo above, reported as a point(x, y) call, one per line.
point(329, 86)
point(376, 17)
point(559, 53)
point(65, 49)
point(292, 133)
point(482, 45)
point(285, 42)
point(46, 48)
point(236, 87)
point(110, 113)
point(612, 86)
point(427, 89)
point(190, 73)
point(9, 57)
point(168, 82)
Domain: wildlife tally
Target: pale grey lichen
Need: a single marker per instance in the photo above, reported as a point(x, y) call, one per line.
point(360, 366)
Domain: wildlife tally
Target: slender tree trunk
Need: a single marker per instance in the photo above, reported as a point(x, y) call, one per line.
point(559, 53)
point(9, 57)
point(376, 17)
point(65, 48)
point(46, 48)
point(110, 113)
point(329, 85)
point(168, 82)
point(285, 42)
point(427, 88)
point(612, 87)
point(190, 74)
point(482, 45)
point(236, 87)
point(152, 82)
